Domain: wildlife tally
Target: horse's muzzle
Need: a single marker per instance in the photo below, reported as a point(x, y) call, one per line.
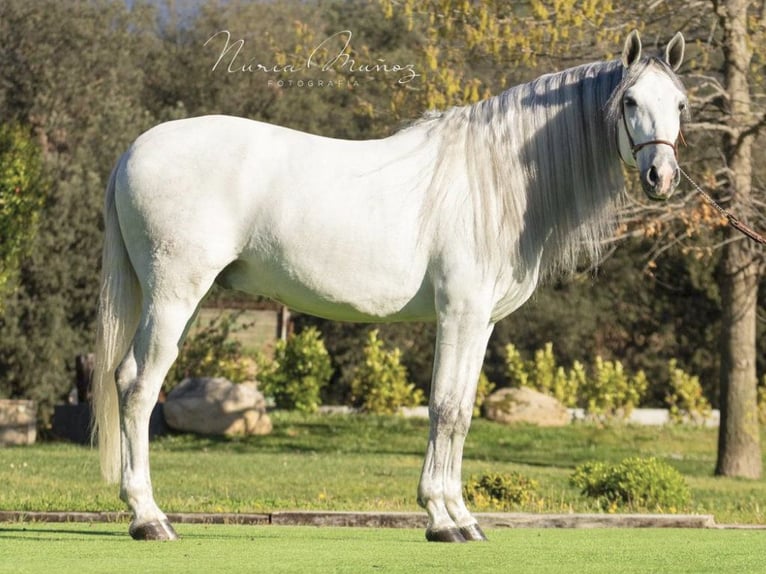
point(660, 180)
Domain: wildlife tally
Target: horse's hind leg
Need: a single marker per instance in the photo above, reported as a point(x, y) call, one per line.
point(139, 379)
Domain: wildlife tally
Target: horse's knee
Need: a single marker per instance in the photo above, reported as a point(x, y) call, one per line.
point(444, 417)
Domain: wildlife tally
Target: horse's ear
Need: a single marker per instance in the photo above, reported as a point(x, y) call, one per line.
point(631, 52)
point(674, 52)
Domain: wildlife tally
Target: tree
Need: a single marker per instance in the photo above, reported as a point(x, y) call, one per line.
point(21, 197)
point(739, 449)
point(73, 73)
point(459, 39)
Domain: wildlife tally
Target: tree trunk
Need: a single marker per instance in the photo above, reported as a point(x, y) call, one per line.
point(739, 448)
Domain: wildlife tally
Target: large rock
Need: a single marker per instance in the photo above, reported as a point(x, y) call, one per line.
point(217, 406)
point(525, 405)
point(18, 422)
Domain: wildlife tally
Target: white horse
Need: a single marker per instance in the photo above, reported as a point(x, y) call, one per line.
point(454, 219)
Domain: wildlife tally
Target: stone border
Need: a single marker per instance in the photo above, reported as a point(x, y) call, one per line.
point(395, 519)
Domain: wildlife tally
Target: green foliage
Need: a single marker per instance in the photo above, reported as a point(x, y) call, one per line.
point(685, 399)
point(577, 378)
point(633, 484)
point(544, 375)
point(516, 368)
point(210, 351)
point(83, 111)
point(500, 491)
point(610, 392)
point(21, 198)
point(761, 399)
point(606, 392)
point(459, 36)
point(483, 390)
point(300, 370)
point(380, 384)
point(624, 313)
point(555, 380)
point(345, 343)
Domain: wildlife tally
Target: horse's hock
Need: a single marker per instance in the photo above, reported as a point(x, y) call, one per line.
point(216, 406)
point(18, 422)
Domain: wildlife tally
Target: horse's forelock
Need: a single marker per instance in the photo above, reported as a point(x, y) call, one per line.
point(630, 77)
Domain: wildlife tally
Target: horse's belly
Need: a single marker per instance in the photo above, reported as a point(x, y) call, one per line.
point(343, 290)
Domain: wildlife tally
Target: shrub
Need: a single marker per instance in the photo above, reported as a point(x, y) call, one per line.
point(380, 384)
point(516, 368)
point(21, 199)
point(577, 379)
point(211, 352)
point(553, 379)
point(483, 390)
point(762, 401)
point(544, 375)
point(610, 392)
point(604, 391)
point(760, 398)
point(500, 491)
point(634, 484)
point(300, 370)
point(685, 399)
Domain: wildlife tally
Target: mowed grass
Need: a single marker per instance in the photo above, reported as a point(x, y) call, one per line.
point(98, 548)
point(357, 462)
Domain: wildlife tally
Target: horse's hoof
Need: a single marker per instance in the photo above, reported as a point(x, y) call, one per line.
point(157, 530)
point(473, 533)
point(445, 535)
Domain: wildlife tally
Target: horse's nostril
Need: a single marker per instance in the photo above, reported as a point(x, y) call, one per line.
point(652, 177)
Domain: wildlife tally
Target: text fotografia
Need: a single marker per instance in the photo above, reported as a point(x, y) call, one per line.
point(339, 83)
point(330, 55)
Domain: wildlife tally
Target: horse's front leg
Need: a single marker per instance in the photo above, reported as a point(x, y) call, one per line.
point(460, 346)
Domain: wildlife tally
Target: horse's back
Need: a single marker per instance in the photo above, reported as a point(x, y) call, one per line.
point(329, 226)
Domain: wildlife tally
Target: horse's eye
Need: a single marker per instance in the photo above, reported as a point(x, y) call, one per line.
point(682, 107)
point(629, 102)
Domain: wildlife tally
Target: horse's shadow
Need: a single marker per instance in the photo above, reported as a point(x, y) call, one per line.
point(17, 533)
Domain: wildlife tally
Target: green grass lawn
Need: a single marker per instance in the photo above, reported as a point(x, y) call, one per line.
point(365, 463)
point(98, 548)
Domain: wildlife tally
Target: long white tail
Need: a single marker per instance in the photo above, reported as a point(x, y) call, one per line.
point(118, 315)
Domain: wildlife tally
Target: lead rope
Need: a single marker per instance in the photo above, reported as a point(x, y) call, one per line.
point(733, 221)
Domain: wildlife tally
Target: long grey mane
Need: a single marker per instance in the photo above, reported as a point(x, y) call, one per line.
point(539, 165)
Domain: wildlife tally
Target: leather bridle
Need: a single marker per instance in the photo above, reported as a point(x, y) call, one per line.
point(635, 148)
point(731, 219)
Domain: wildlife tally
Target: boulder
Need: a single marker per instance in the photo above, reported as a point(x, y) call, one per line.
point(18, 422)
point(525, 405)
point(216, 406)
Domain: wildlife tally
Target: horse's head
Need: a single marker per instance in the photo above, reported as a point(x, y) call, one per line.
point(652, 104)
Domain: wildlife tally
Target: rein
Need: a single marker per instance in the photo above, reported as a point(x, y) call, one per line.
point(730, 218)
